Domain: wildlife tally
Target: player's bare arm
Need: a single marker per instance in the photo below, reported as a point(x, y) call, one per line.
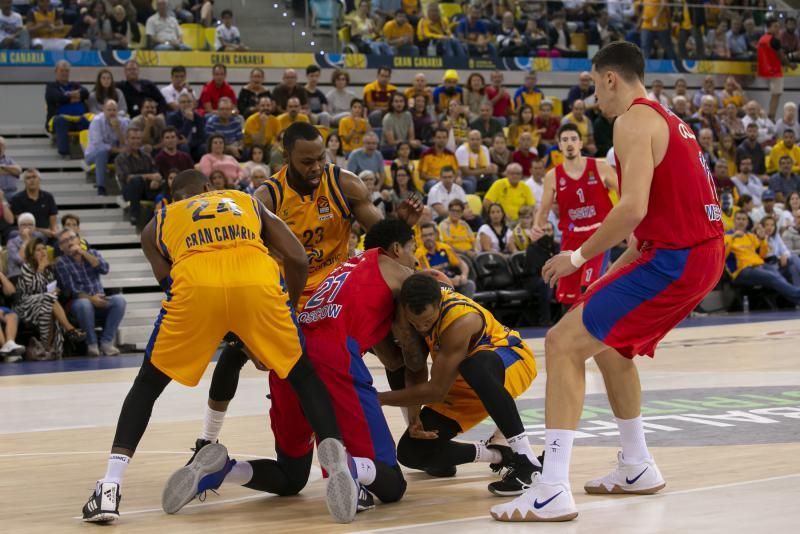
point(262, 194)
point(609, 176)
point(365, 212)
point(278, 237)
point(161, 267)
point(635, 134)
point(548, 194)
point(453, 348)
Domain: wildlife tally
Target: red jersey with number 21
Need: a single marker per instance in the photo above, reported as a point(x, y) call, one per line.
point(582, 203)
point(683, 209)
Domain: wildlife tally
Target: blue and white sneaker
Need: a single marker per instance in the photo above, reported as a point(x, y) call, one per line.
point(343, 489)
point(205, 472)
point(633, 478)
point(541, 502)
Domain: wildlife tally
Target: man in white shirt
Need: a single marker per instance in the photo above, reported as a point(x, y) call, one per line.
point(163, 31)
point(657, 93)
point(748, 183)
point(228, 37)
point(178, 87)
point(620, 13)
point(783, 219)
point(444, 191)
point(536, 181)
point(13, 33)
point(475, 163)
point(766, 128)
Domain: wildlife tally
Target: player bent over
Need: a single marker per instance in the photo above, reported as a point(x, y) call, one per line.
point(351, 311)
point(479, 367)
point(208, 250)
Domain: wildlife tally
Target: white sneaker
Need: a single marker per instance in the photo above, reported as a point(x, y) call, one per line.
point(640, 479)
point(541, 502)
point(109, 349)
point(10, 347)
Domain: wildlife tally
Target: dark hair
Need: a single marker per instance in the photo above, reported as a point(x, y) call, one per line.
point(337, 73)
point(411, 185)
point(187, 183)
point(177, 69)
point(312, 69)
point(399, 12)
point(786, 156)
point(788, 130)
point(568, 127)
point(518, 118)
point(388, 70)
point(30, 257)
point(744, 199)
point(420, 291)
point(101, 93)
point(169, 129)
point(299, 130)
point(489, 210)
point(427, 225)
point(405, 102)
point(468, 85)
point(356, 101)
point(147, 99)
point(339, 152)
point(70, 216)
point(622, 57)
point(220, 65)
point(226, 13)
point(456, 202)
point(210, 140)
point(441, 129)
point(386, 232)
point(447, 168)
point(261, 148)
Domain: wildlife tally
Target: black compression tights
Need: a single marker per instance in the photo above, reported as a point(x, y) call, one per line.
point(138, 406)
point(226, 374)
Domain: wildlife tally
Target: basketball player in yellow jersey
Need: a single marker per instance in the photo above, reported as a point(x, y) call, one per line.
point(317, 201)
point(479, 367)
point(208, 250)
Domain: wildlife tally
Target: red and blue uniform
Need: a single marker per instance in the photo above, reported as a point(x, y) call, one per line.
point(351, 311)
point(583, 204)
point(682, 249)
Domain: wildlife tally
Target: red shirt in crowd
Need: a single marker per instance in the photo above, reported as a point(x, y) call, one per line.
point(212, 93)
point(525, 160)
point(502, 108)
point(769, 63)
point(549, 126)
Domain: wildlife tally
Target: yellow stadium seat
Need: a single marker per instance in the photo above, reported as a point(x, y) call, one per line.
point(83, 136)
point(387, 172)
point(193, 36)
point(344, 34)
point(210, 38)
point(475, 204)
point(558, 107)
point(579, 41)
point(450, 10)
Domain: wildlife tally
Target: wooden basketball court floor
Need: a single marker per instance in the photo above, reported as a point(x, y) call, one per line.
point(722, 403)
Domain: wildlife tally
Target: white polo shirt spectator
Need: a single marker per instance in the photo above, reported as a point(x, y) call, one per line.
point(441, 195)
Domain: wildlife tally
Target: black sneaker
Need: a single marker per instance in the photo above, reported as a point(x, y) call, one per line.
point(198, 444)
point(365, 500)
point(441, 472)
point(505, 452)
point(103, 505)
point(516, 477)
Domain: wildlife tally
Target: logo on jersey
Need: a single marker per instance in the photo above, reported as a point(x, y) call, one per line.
point(562, 182)
point(685, 131)
point(713, 212)
point(324, 208)
point(584, 212)
point(592, 178)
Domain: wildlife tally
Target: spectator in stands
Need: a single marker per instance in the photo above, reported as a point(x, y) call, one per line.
point(78, 272)
point(444, 191)
point(66, 107)
point(292, 114)
point(729, 210)
point(602, 32)
point(13, 33)
point(106, 140)
point(339, 98)
point(732, 93)
point(791, 235)
point(788, 121)
point(424, 122)
point(317, 103)
point(499, 153)
point(495, 235)
point(578, 117)
point(403, 159)
point(217, 159)
point(151, 124)
point(721, 176)
point(771, 61)
point(35, 200)
point(655, 26)
point(137, 174)
point(73, 222)
point(92, 27)
point(218, 181)
point(176, 88)
point(26, 223)
point(791, 206)
point(705, 138)
point(744, 260)
point(536, 182)
point(499, 98)
point(768, 208)
point(510, 43)
point(582, 91)
point(398, 127)
point(230, 126)
point(546, 124)
point(766, 128)
point(510, 192)
point(525, 154)
point(785, 147)
point(37, 300)
point(363, 32)
point(523, 123)
point(705, 117)
point(381, 199)
point(454, 231)
point(170, 157)
point(521, 232)
point(786, 180)
point(621, 13)
point(368, 158)
point(737, 41)
point(475, 163)
point(559, 37)
point(163, 31)
point(11, 351)
point(46, 27)
point(681, 109)
point(191, 126)
point(288, 88)
point(717, 41)
point(440, 256)
point(779, 256)
point(258, 159)
point(474, 33)
point(104, 89)
point(748, 183)
point(657, 93)
point(120, 27)
point(708, 90)
point(788, 36)
point(9, 172)
point(136, 90)
point(488, 126)
point(456, 122)
point(434, 29)
point(215, 90)
point(752, 149)
point(228, 38)
point(354, 127)
point(435, 159)
point(250, 94)
point(399, 35)
point(528, 94)
point(419, 87)
point(378, 95)
point(403, 186)
point(262, 127)
point(731, 123)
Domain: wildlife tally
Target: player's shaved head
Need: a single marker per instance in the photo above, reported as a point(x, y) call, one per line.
point(623, 58)
point(188, 184)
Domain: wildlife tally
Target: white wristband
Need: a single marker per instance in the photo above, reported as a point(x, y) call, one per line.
point(577, 259)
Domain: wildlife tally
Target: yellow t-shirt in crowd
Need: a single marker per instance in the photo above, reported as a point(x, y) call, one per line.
point(431, 163)
point(351, 125)
point(284, 120)
point(443, 254)
point(458, 235)
point(377, 97)
point(391, 30)
point(512, 198)
point(255, 132)
point(780, 150)
point(429, 30)
point(649, 10)
point(727, 220)
point(744, 251)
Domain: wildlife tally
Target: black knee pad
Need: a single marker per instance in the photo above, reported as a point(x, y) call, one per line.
point(225, 380)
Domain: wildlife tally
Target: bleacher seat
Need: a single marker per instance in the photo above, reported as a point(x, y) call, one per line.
point(475, 203)
point(495, 274)
point(450, 10)
point(194, 36)
point(210, 37)
point(484, 298)
point(324, 14)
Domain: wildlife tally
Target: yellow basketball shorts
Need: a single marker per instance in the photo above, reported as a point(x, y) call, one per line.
point(463, 405)
point(195, 317)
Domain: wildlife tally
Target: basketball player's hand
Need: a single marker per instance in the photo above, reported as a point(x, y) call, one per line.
point(558, 267)
point(417, 431)
point(258, 363)
point(536, 233)
point(410, 209)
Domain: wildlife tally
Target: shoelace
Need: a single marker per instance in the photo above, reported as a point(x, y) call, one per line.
point(202, 496)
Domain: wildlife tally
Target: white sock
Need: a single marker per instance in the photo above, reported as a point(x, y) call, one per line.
point(486, 455)
point(634, 446)
point(241, 473)
point(520, 445)
point(115, 470)
point(212, 425)
point(365, 468)
point(557, 452)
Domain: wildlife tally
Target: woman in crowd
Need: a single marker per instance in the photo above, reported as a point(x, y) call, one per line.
point(455, 120)
point(495, 235)
point(164, 198)
point(217, 159)
point(334, 150)
point(732, 93)
point(353, 127)
point(16, 245)
point(364, 33)
point(523, 122)
point(218, 180)
point(340, 97)
point(104, 89)
point(403, 159)
point(779, 257)
point(403, 186)
point(791, 207)
point(732, 124)
point(474, 95)
point(257, 179)
point(424, 122)
point(120, 27)
point(500, 154)
point(454, 231)
point(258, 158)
point(522, 230)
point(727, 151)
point(381, 198)
point(38, 300)
point(247, 101)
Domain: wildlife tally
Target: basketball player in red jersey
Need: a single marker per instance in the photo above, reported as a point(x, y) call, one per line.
point(580, 188)
point(669, 203)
